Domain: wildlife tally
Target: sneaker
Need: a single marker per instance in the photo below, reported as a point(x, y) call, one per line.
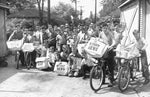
point(84, 77)
point(70, 74)
point(76, 74)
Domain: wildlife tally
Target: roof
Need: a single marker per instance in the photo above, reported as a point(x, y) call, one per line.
point(3, 6)
point(125, 3)
point(27, 13)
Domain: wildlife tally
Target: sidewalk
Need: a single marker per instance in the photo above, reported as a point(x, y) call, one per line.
point(35, 83)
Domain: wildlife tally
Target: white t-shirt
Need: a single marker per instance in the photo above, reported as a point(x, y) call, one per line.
point(52, 56)
point(39, 35)
point(81, 36)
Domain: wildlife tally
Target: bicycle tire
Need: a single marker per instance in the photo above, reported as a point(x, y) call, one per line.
point(28, 60)
point(17, 61)
point(133, 69)
point(124, 72)
point(96, 73)
point(117, 70)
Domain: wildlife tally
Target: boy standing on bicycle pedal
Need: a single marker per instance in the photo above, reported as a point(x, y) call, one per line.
point(112, 38)
point(141, 44)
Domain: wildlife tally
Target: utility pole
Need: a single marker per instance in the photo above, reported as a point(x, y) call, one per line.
point(76, 3)
point(76, 6)
point(95, 11)
point(81, 12)
point(49, 12)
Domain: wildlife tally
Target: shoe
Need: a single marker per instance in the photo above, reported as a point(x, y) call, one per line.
point(76, 74)
point(146, 81)
point(110, 85)
point(84, 77)
point(70, 74)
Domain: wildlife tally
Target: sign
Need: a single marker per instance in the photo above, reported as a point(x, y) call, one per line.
point(42, 63)
point(15, 44)
point(62, 68)
point(28, 47)
point(96, 47)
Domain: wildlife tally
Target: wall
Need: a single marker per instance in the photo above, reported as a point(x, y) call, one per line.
point(130, 15)
point(148, 29)
point(3, 47)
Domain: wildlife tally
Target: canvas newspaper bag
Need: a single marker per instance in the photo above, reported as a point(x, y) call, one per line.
point(14, 44)
point(127, 52)
point(42, 63)
point(28, 47)
point(96, 47)
point(61, 68)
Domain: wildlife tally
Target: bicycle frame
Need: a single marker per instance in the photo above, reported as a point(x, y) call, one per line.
point(127, 72)
point(99, 61)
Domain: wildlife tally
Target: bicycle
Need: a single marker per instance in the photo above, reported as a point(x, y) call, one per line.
point(28, 60)
point(27, 49)
point(129, 67)
point(97, 73)
point(17, 59)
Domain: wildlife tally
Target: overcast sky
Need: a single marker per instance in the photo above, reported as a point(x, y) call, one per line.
point(88, 5)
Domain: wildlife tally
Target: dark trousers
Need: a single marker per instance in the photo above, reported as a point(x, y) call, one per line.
point(144, 63)
point(52, 44)
point(85, 68)
point(33, 57)
point(110, 63)
point(21, 57)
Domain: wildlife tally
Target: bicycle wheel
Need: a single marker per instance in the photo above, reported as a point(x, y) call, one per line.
point(117, 69)
point(124, 77)
point(96, 78)
point(17, 60)
point(133, 69)
point(28, 60)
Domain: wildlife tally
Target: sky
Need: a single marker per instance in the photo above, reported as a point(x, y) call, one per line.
point(87, 6)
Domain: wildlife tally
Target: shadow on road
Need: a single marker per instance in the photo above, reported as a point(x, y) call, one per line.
point(135, 87)
point(9, 71)
point(12, 91)
point(32, 74)
point(41, 77)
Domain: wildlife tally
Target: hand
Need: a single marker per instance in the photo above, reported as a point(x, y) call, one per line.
point(140, 51)
point(110, 47)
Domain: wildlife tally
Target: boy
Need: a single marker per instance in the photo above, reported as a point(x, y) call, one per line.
point(141, 45)
point(52, 57)
point(74, 61)
point(86, 64)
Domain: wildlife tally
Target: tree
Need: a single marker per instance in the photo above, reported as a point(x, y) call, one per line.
point(75, 2)
point(65, 11)
point(18, 5)
point(91, 17)
point(41, 9)
point(49, 13)
point(109, 6)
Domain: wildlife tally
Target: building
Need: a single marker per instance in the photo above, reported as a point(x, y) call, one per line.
point(3, 46)
point(28, 14)
point(136, 15)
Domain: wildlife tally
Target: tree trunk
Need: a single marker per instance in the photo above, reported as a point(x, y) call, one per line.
point(40, 12)
point(49, 16)
point(42, 9)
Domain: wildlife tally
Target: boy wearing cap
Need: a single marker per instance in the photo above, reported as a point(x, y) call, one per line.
point(108, 37)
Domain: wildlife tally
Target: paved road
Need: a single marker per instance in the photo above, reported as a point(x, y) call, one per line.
point(35, 83)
